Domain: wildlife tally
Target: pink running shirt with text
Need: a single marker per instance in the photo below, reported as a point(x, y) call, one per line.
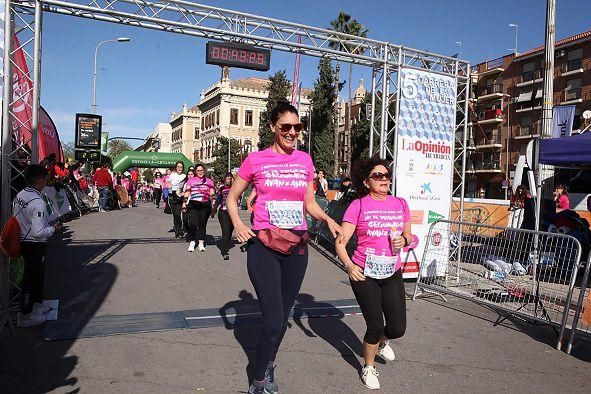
point(277, 177)
point(199, 190)
point(373, 220)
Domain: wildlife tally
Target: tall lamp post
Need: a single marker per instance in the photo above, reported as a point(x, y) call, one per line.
point(120, 39)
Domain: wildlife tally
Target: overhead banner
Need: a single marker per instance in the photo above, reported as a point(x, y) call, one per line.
point(424, 160)
point(562, 120)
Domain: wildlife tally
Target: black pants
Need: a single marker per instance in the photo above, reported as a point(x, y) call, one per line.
point(157, 196)
point(175, 206)
point(277, 280)
point(198, 215)
point(227, 228)
point(379, 299)
point(33, 254)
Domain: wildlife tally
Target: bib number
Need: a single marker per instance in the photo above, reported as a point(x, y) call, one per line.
point(196, 197)
point(286, 214)
point(379, 267)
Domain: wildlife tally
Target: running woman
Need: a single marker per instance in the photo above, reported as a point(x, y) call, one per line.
point(175, 197)
point(184, 213)
point(166, 186)
point(199, 191)
point(223, 217)
point(282, 177)
point(382, 225)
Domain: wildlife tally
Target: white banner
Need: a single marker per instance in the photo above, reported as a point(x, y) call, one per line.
point(562, 120)
point(424, 164)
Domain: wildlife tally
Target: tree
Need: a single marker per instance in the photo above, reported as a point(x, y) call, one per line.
point(345, 24)
point(322, 118)
point(68, 148)
point(148, 175)
point(220, 152)
point(118, 146)
point(360, 133)
point(279, 88)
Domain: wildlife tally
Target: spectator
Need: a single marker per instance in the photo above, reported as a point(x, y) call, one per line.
point(30, 211)
point(561, 198)
point(321, 185)
point(103, 182)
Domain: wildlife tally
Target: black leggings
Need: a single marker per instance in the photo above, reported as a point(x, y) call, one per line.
point(379, 299)
point(198, 215)
point(157, 196)
point(277, 280)
point(33, 254)
point(175, 207)
point(227, 228)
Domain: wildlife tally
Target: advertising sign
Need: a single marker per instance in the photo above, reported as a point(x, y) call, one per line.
point(424, 164)
point(88, 131)
point(562, 120)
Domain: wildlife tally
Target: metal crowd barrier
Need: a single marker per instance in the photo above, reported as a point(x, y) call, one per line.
point(582, 318)
point(521, 273)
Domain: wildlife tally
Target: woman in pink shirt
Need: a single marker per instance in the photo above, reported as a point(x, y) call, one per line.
point(198, 193)
point(561, 198)
point(158, 182)
point(382, 225)
point(282, 177)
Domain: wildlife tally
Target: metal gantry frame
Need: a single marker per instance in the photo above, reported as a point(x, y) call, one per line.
point(24, 19)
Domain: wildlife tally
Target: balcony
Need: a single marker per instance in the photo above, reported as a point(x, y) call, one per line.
point(493, 67)
point(530, 77)
point(490, 116)
point(469, 141)
point(483, 166)
point(571, 96)
point(529, 131)
point(492, 140)
point(491, 92)
point(574, 66)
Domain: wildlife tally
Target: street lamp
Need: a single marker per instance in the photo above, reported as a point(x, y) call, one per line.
point(459, 44)
point(120, 39)
point(516, 27)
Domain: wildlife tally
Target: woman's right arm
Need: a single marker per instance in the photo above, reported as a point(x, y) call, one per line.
point(355, 272)
point(243, 232)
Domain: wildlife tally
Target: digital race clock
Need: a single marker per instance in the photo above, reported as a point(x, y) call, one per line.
point(234, 54)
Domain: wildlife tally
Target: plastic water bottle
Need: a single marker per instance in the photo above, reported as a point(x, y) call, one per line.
point(393, 234)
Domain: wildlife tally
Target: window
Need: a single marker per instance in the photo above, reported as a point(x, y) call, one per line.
point(248, 118)
point(574, 60)
point(233, 116)
point(217, 117)
point(196, 132)
point(573, 89)
point(203, 122)
point(528, 72)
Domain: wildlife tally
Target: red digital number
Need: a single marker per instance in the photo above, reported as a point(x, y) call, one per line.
point(234, 54)
point(252, 58)
point(243, 56)
point(215, 53)
point(225, 53)
point(261, 59)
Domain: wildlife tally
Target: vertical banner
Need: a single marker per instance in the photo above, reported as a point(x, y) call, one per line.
point(424, 159)
point(562, 120)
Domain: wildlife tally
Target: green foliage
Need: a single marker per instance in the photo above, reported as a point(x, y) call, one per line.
point(68, 148)
point(118, 146)
point(322, 118)
point(220, 165)
point(148, 175)
point(279, 88)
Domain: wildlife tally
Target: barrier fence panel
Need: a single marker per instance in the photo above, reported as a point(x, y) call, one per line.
point(519, 272)
point(582, 319)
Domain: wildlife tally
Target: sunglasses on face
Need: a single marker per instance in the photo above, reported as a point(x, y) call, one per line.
point(285, 127)
point(380, 176)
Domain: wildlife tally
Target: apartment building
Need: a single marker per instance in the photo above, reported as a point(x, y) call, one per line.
point(348, 115)
point(506, 108)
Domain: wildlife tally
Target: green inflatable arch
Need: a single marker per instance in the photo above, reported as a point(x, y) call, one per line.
point(148, 160)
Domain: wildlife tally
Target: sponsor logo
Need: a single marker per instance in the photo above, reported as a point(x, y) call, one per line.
point(436, 239)
point(416, 216)
point(434, 169)
point(426, 188)
point(433, 217)
point(429, 149)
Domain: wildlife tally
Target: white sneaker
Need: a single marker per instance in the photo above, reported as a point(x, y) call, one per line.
point(31, 319)
point(191, 247)
point(201, 248)
point(369, 377)
point(386, 352)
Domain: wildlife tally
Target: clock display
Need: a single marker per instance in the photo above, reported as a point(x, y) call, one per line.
point(238, 55)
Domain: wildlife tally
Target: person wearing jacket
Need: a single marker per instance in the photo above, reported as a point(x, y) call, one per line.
point(103, 181)
point(30, 211)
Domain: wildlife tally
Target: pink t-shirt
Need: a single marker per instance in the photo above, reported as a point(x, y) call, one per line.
point(563, 202)
point(277, 177)
point(373, 225)
point(223, 196)
point(199, 189)
point(158, 183)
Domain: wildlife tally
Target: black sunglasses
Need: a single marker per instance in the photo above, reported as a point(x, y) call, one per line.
point(287, 127)
point(380, 176)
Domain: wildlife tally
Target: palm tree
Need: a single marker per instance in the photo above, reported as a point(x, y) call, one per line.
point(345, 24)
point(116, 147)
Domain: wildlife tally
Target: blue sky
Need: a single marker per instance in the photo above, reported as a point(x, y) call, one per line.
point(140, 83)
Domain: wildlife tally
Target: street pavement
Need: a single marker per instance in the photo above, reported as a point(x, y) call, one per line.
point(126, 264)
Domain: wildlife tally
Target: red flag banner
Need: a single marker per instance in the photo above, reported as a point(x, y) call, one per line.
point(49, 141)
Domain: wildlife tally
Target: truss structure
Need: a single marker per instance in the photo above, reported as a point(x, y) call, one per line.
point(24, 20)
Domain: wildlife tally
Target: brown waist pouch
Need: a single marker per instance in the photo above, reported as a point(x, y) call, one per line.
point(284, 241)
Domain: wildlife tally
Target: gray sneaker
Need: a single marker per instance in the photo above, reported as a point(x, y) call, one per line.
point(270, 384)
point(256, 390)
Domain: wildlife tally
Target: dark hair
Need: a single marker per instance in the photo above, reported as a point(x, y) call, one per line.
point(34, 173)
point(157, 173)
point(177, 163)
point(363, 170)
point(281, 108)
point(563, 187)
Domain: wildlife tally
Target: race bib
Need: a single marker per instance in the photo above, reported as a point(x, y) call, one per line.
point(379, 267)
point(286, 214)
point(196, 196)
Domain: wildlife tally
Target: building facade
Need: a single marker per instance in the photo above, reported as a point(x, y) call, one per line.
point(185, 127)
point(348, 115)
point(506, 109)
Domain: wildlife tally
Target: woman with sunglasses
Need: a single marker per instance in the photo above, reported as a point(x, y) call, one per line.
point(382, 225)
point(158, 181)
point(282, 177)
point(199, 191)
point(177, 181)
point(223, 217)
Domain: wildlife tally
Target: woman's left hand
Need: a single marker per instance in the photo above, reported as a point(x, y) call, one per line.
point(335, 229)
point(399, 242)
